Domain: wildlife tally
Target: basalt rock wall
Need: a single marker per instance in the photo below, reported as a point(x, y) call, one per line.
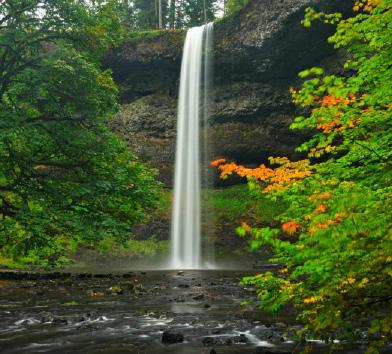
point(258, 54)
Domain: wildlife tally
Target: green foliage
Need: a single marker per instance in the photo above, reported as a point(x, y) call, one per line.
point(64, 176)
point(140, 35)
point(233, 6)
point(230, 201)
point(176, 14)
point(335, 239)
point(146, 13)
point(196, 12)
point(233, 202)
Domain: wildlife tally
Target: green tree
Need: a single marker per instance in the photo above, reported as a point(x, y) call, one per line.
point(127, 14)
point(198, 12)
point(147, 13)
point(335, 239)
point(64, 176)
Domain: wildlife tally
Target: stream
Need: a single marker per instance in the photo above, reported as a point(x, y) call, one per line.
point(140, 312)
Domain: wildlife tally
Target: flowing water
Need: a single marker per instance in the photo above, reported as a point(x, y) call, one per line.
point(128, 313)
point(192, 111)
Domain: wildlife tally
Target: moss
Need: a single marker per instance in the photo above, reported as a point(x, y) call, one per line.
point(141, 35)
point(71, 303)
point(228, 202)
point(235, 6)
point(238, 204)
point(172, 37)
point(234, 9)
point(165, 202)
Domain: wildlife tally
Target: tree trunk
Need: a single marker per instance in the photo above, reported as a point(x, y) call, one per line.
point(205, 12)
point(172, 15)
point(160, 17)
point(156, 14)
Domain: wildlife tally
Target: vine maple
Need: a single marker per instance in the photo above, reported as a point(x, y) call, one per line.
point(338, 256)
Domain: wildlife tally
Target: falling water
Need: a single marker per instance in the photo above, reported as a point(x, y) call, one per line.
point(186, 230)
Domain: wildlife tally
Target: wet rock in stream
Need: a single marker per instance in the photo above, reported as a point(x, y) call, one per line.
point(59, 321)
point(184, 286)
point(261, 350)
point(198, 297)
point(210, 341)
point(169, 337)
point(116, 290)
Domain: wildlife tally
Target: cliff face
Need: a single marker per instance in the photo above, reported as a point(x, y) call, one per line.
point(258, 54)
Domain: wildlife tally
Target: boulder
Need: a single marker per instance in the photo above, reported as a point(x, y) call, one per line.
point(169, 337)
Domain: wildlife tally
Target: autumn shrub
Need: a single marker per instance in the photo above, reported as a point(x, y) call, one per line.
point(335, 236)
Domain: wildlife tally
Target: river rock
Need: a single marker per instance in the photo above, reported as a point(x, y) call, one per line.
point(59, 321)
point(261, 350)
point(116, 290)
point(198, 297)
point(169, 337)
point(210, 341)
point(128, 275)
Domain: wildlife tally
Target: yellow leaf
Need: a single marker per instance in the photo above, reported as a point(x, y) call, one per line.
point(363, 282)
point(310, 300)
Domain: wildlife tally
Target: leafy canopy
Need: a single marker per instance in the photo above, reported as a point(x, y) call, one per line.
point(335, 238)
point(64, 176)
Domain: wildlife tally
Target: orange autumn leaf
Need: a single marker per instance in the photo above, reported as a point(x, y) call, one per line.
point(290, 227)
point(325, 195)
point(217, 162)
point(321, 196)
point(329, 126)
point(245, 226)
point(330, 100)
point(277, 179)
point(322, 208)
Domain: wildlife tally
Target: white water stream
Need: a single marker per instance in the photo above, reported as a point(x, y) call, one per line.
point(186, 231)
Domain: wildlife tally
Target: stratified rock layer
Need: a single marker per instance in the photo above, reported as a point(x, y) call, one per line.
point(258, 54)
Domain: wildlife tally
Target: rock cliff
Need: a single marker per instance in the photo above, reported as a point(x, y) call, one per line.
point(258, 54)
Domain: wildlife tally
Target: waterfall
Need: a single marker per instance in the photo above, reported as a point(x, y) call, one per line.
point(186, 230)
